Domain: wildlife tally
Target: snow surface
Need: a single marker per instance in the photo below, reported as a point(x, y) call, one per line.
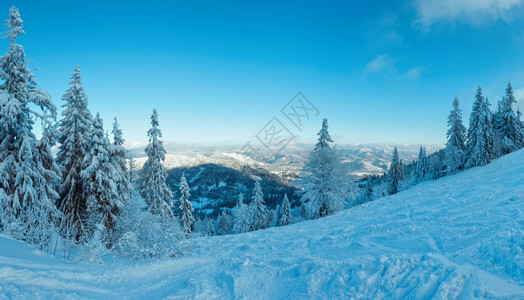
point(461, 236)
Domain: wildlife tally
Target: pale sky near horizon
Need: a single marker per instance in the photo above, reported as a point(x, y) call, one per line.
point(380, 71)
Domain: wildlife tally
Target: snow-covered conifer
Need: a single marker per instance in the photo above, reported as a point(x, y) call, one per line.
point(520, 124)
point(100, 188)
point(75, 139)
point(394, 173)
point(471, 138)
point(258, 214)
point(241, 216)
point(118, 155)
point(277, 215)
point(456, 135)
point(324, 181)
point(158, 196)
point(506, 124)
point(225, 224)
point(131, 162)
point(369, 188)
point(23, 179)
point(285, 218)
point(422, 168)
point(45, 214)
point(479, 146)
point(185, 205)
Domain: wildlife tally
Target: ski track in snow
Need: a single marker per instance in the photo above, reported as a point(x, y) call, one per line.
point(459, 237)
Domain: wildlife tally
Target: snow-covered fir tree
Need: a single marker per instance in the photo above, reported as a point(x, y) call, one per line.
point(45, 214)
point(277, 215)
point(506, 125)
point(456, 139)
point(131, 162)
point(422, 168)
point(185, 205)
point(304, 211)
point(480, 143)
point(118, 155)
point(394, 174)
point(23, 178)
point(225, 223)
point(285, 218)
point(471, 138)
point(520, 123)
point(324, 181)
point(241, 216)
point(75, 139)
point(258, 210)
point(159, 197)
point(369, 188)
point(100, 188)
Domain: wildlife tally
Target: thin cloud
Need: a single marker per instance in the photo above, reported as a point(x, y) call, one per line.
point(381, 63)
point(385, 65)
point(474, 12)
point(413, 73)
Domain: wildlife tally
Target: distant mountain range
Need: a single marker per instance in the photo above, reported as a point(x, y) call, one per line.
point(219, 175)
point(364, 159)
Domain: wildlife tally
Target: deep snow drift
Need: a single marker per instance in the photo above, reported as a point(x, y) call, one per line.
point(459, 236)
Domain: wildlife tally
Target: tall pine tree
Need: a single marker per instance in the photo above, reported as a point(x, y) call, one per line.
point(285, 218)
point(456, 135)
point(23, 181)
point(101, 190)
point(118, 155)
point(75, 139)
point(422, 168)
point(506, 124)
point(188, 220)
point(258, 215)
point(479, 146)
point(241, 216)
point(159, 197)
point(324, 179)
point(394, 173)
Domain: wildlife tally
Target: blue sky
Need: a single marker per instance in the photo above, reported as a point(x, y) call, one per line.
point(380, 71)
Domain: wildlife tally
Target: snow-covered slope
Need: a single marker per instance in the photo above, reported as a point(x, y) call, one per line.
point(458, 237)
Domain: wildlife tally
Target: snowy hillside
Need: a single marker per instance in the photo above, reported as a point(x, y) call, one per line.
point(461, 236)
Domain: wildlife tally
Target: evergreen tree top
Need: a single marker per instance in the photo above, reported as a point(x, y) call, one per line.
point(456, 103)
point(323, 136)
point(75, 93)
point(154, 132)
point(184, 188)
point(478, 95)
point(478, 99)
point(285, 202)
point(76, 76)
point(14, 25)
point(422, 152)
point(456, 133)
point(257, 191)
point(508, 99)
point(98, 123)
point(117, 133)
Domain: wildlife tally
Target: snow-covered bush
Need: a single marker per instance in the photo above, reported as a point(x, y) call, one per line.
point(145, 235)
